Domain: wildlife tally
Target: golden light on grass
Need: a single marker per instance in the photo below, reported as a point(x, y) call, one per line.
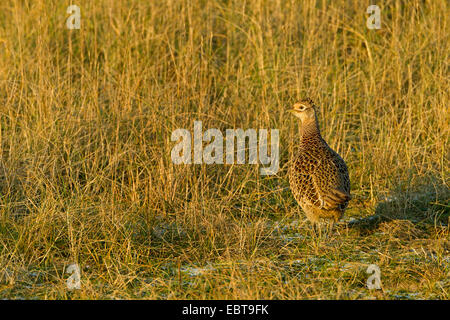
point(85, 170)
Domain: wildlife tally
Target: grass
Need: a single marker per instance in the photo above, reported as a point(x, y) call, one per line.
point(86, 176)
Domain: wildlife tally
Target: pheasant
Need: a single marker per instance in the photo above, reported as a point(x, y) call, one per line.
point(318, 176)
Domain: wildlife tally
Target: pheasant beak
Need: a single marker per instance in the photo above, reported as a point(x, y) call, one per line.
point(294, 110)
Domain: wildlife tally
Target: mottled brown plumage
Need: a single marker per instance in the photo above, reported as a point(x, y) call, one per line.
point(318, 176)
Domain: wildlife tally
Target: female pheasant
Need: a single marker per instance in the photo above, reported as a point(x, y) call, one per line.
point(318, 176)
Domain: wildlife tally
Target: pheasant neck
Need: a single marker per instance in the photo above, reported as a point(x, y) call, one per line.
point(310, 131)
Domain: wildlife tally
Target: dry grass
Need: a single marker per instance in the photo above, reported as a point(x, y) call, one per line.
point(85, 170)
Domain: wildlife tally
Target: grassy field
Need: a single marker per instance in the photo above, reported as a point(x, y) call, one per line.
point(86, 175)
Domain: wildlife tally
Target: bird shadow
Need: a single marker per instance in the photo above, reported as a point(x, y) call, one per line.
point(419, 207)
